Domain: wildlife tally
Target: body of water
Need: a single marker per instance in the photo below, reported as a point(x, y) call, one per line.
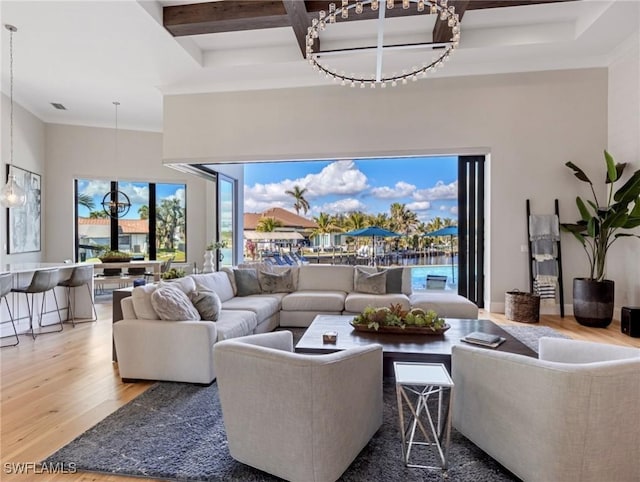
point(419, 275)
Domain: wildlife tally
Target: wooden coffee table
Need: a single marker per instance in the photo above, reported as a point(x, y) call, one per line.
point(416, 348)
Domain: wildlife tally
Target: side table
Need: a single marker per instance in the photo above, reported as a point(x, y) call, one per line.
point(424, 380)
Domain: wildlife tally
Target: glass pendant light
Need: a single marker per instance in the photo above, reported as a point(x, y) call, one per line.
point(12, 195)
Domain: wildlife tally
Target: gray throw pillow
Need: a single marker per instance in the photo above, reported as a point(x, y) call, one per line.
point(207, 303)
point(394, 279)
point(371, 283)
point(172, 304)
point(247, 282)
point(276, 282)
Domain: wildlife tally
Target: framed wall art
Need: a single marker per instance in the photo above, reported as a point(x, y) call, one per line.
point(24, 223)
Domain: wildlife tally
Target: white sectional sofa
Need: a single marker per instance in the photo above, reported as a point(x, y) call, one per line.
point(155, 349)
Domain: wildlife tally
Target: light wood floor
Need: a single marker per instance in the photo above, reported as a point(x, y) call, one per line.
point(58, 386)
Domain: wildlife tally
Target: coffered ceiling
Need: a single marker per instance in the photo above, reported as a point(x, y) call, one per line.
point(87, 54)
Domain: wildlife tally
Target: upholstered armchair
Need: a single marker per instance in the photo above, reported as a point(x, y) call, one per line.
point(571, 415)
point(299, 417)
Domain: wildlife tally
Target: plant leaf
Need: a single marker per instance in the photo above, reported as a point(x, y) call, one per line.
point(592, 227)
point(630, 191)
point(632, 222)
point(612, 172)
point(584, 212)
point(579, 173)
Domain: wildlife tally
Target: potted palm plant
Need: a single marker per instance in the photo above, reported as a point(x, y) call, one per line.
point(599, 226)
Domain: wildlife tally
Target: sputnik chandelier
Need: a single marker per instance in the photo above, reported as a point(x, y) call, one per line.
point(442, 51)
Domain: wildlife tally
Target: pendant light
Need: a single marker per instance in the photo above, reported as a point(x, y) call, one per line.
point(11, 195)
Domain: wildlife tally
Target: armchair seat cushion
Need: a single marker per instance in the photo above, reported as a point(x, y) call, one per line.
point(321, 301)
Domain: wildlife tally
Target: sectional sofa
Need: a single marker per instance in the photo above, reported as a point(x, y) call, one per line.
point(257, 299)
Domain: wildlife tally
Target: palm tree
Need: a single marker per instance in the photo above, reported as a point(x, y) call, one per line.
point(356, 220)
point(300, 201)
point(98, 214)
point(381, 220)
point(87, 201)
point(170, 223)
point(144, 212)
point(268, 224)
point(402, 219)
point(325, 225)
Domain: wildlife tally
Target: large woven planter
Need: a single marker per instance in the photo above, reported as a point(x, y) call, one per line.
point(522, 307)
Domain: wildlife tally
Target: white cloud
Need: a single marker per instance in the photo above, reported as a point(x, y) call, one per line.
point(340, 177)
point(453, 210)
point(419, 206)
point(341, 206)
point(97, 188)
point(179, 195)
point(439, 191)
point(401, 189)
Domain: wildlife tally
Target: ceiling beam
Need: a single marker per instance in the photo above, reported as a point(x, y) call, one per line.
point(236, 15)
point(227, 16)
point(442, 31)
point(299, 20)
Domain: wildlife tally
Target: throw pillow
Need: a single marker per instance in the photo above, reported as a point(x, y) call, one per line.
point(276, 282)
point(394, 279)
point(172, 304)
point(372, 283)
point(207, 303)
point(141, 300)
point(184, 284)
point(247, 282)
point(218, 282)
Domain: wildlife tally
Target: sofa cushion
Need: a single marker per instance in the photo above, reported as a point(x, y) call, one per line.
point(276, 282)
point(218, 282)
point(394, 279)
point(448, 305)
point(262, 305)
point(141, 299)
point(207, 303)
point(322, 301)
point(172, 304)
point(235, 323)
point(247, 283)
point(320, 277)
point(356, 302)
point(372, 283)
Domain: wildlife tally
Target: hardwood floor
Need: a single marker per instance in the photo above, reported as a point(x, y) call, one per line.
point(58, 386)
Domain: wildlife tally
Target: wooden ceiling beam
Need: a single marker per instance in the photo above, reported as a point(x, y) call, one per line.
point(236, 15)
point(227, 16)
point(299, 20)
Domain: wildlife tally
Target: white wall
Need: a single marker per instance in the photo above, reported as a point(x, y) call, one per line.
point(624, 145)
point(530, 124)
point(29, 154)
point(87, 152)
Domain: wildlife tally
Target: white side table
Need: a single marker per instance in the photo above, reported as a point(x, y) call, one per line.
point(424, 380)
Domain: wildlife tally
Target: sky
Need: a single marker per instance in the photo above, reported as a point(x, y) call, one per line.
point(427, 185)
point(138, 193)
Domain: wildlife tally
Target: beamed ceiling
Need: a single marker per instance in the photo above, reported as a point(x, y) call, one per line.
point(141, 51)
point(233, 16)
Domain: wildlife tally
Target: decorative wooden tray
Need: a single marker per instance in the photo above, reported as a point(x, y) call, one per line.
point(408, 330)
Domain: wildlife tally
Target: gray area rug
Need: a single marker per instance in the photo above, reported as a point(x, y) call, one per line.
point(174, 431)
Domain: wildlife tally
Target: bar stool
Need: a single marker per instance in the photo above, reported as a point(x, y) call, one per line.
point(5, 289)
point(42, 281)
point(81, 275)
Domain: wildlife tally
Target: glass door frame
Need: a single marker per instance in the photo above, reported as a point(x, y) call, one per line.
point(223, 178)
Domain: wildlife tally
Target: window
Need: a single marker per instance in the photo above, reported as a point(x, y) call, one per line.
point(153, 228)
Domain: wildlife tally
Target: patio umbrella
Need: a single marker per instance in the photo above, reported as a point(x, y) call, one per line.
point(450, 231)
point(372, 232)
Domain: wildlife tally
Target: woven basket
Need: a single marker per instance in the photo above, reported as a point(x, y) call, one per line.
point(522, 307)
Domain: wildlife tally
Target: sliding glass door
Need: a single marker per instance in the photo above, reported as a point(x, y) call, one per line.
point(227, 205)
